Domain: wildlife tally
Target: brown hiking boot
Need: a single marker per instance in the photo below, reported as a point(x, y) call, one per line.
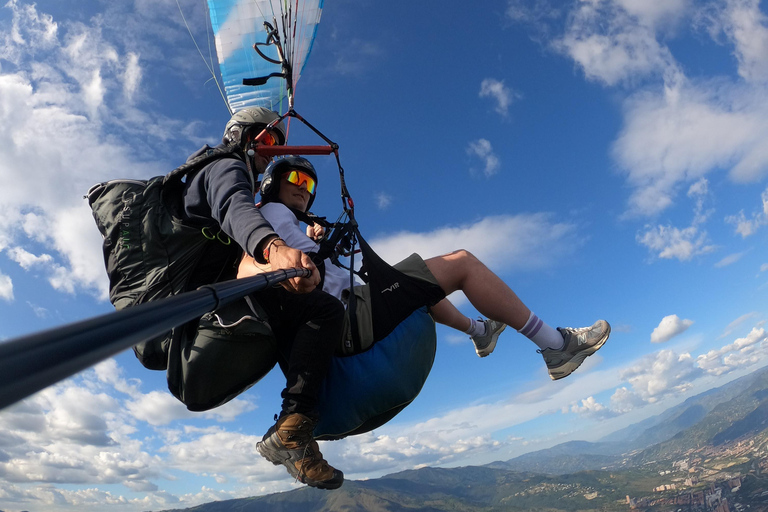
point(290, 443)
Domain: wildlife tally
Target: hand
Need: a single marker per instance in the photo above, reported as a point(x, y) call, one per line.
point(315, 231)
point(283, 257)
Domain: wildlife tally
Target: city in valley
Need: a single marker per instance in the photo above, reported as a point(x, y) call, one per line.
point(730, 477)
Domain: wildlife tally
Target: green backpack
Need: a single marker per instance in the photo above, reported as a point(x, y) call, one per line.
point(149, 252)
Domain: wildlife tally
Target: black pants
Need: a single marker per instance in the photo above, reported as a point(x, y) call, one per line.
point(308, 329)
point(228, 351)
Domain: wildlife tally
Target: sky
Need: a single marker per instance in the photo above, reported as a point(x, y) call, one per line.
point(606, 158)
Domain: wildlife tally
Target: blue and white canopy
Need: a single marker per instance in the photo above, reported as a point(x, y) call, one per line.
point(239, 24)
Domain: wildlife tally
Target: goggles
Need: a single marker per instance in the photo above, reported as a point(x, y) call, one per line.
point(267, 140)
point(299, 177)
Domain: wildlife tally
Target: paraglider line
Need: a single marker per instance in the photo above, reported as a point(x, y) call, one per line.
point(207, 65)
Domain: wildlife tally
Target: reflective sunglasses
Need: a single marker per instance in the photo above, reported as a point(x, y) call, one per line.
point(268, 139)
point(299, 177)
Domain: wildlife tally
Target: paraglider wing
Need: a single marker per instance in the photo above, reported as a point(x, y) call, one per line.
point(284, 44)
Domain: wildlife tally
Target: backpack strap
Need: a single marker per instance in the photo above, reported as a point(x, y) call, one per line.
point(204, 159)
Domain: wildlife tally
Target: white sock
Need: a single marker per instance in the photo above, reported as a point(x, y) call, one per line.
point(541, 334)
point(476, 327)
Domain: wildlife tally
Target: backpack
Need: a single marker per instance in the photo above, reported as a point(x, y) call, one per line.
point(149, 253)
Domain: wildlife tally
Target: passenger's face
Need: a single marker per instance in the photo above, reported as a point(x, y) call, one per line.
point(294, 196)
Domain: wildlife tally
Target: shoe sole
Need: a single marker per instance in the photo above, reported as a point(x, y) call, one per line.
point(569, 367)
point(486, 351)
point(274, 457)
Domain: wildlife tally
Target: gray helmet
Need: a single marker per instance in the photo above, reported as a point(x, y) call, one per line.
point(251, 118)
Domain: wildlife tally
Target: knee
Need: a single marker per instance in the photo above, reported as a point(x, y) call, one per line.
point(462, 256)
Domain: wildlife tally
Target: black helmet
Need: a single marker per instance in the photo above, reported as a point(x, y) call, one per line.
point(270, 183)
point(251, 118)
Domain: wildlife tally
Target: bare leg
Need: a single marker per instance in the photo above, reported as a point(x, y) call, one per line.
point(444, 312)
point(461, 270)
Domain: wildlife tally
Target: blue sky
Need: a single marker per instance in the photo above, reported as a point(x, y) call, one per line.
point(605, 157)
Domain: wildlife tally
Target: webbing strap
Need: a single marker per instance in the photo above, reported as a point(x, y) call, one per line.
point(203, 159)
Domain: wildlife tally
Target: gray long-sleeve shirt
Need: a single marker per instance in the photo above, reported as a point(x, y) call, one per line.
point(222, 191)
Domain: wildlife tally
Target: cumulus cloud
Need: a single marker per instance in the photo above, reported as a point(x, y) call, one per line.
point(615, 41)
point(669, 327)
point(499, 92)
point(6, 287)
point(745, 352)
point(483, 150)
point(686, 132)
point(749, 226)
point(683, 244)
point(659, 375)
point(667, 373)
point(625, 400)
point(669, 242)
point(591, 407)
point(494, 240)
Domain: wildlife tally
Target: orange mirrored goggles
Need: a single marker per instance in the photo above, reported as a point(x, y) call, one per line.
point(299, 177)
point(268, 140)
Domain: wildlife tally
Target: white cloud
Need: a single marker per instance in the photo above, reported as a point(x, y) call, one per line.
point(688, 132)
point(729, 260)
point(763, 267)
point(736, 323)
point(659, 375)
point(747, 227)
point(537, 13)
point(590, 407)
point(494, 240)
point(482, 149)
point(625, 400)
point(500, 93)
point(61, 89)
point(747, 27)
point(669, 242)
point(615, 42)
point(669, 327)
point(132, 76)
point(746, 352)
point(28, 260)
point(383, 200)
point(676, 130)
point(6, 287)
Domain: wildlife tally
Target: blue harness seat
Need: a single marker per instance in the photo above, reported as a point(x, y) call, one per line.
point(363, 391)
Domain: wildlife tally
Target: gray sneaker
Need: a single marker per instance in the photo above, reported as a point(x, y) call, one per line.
point(579, 344)
point(485, 344)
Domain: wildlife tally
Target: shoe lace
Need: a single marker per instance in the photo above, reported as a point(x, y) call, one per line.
point(301, 466)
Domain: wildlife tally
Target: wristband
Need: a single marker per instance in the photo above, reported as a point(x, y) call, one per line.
point(265, 253)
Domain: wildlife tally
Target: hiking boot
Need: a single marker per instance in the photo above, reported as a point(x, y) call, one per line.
point(485, 344)
point(290, 443)
point(579, 344)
